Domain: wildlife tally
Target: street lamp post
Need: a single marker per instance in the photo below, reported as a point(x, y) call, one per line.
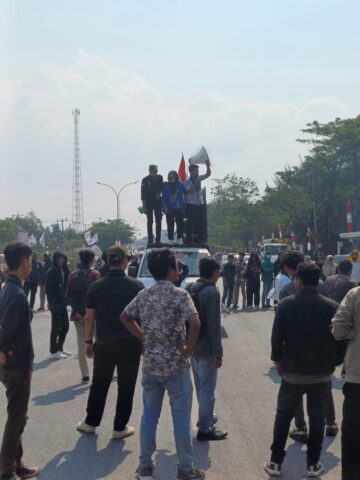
point(117, 195)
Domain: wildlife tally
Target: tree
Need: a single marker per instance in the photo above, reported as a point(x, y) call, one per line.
point(108, 231)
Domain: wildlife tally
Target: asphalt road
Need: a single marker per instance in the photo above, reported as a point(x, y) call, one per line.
point(246, 399)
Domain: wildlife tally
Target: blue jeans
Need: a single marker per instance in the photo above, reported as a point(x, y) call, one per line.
point(179, 389)
point(205, 377)
point(267, 286)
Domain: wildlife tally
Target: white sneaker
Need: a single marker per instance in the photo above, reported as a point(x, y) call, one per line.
point(85, 428)
point(66, 353)
point(57, 355)
point(127, 432)
point(180, 241)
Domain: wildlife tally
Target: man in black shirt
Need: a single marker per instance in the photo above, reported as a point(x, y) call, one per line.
point(114, 346)
point(32, 282)
point(151, 187)
point(305, 356)
point(16, 360)
point(228, 274)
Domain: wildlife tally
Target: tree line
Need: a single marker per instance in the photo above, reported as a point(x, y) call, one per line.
point(309, 195)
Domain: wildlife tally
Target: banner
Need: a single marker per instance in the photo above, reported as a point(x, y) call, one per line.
point(42, 240)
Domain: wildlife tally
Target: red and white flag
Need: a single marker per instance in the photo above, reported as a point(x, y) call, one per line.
point(182, 169)
point(280, 233)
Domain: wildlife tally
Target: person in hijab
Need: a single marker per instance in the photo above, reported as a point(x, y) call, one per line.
point(173, 205)
point(329, 267)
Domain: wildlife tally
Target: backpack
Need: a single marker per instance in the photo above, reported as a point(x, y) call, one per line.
point(194, 289)
point(79, 285)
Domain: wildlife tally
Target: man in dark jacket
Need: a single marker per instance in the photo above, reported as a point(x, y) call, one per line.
point(337, 286)
point(151, 187)
point(114, 345)
point(228, 274)
point(47, 264)
point(78, 285)
point(16, 360)
point(32, 282)
point(305, 355)
point(56, 282)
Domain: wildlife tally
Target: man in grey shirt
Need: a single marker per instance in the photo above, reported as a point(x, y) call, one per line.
point(195, 205)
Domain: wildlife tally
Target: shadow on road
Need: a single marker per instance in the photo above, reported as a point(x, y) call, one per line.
point(43, 364)
point(85, 461)
point(59, 396)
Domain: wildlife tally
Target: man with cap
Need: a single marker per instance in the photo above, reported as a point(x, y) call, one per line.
point(195, 205)
point(114, 345)
point(151, 187)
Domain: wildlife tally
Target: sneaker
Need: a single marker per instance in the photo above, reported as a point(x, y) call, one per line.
point(298, 435)
point(57, 356)
point(180, 241)
point(212, 435)
point(127, 432)
point(193, 474)
point(66, 353)
point(27, 472)
point(85, 428)
point(273, 469)
point(85, 380)
point(144, 473)
point(315, 470)
point(332, 430)
point(40, 309)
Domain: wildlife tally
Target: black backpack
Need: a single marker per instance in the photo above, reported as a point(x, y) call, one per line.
point(79, 285)
point(194, 289)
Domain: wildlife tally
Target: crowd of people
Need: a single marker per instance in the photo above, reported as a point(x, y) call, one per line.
point(182, 203)
point(177, 331)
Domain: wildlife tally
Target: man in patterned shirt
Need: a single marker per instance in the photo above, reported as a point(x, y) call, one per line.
point(162, 311)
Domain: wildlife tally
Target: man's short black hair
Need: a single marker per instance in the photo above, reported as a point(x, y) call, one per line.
point(345, 267)
point(242, 254)
point(292, 259)
point(15, 253)
point(208, 266)
point(160, 261)
point(193, 167)
point(308, 273)
point(86, 256)
point(231, 256)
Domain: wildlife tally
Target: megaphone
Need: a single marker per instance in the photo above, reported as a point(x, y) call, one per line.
point(200, 157)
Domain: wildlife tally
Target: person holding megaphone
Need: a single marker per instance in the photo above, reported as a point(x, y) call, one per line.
point(195, 201)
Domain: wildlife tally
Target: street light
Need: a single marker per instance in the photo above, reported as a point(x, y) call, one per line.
point(117, 195)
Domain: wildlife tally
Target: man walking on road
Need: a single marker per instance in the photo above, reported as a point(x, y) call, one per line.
point(162, 311)
point(56, 282)
point(305, 355)
point(114, 346)
point(267, 279)
point(77, 288)
point(240, 282)
point(207, 357)
point(229, 273)
point(47, 264)
point(32, 282)
point(346, 326)
point(16, 361)
point(337, 286)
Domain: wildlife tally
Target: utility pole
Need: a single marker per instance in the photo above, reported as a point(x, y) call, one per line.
point(62, 220)
point(77, 197)
point(314, 207)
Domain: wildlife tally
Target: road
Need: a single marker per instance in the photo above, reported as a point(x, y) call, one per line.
point(246, 399)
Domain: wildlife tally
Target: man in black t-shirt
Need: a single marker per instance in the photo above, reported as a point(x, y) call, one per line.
point(114, 346)
point(151, 187)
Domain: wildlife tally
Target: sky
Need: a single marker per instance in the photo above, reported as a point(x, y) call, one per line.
point(156, 78)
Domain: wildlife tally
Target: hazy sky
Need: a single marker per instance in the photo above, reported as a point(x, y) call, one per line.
point(156, 78)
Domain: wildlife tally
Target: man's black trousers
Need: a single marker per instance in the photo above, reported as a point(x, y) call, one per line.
point(32, 288)
point(125, 356)
point(152, 210)
point(59, 329)
point(288, 401)
point(350, 438)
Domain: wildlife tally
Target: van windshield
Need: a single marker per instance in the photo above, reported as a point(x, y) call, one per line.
point(190, 258)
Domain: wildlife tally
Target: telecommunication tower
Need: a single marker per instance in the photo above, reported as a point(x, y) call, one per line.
point(77, 199)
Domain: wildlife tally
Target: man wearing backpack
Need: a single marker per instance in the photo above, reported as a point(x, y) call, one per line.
point(207, 357)
point(78, 285)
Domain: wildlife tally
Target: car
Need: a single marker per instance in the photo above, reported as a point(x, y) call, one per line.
point(339, 258)
point(191, 256)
